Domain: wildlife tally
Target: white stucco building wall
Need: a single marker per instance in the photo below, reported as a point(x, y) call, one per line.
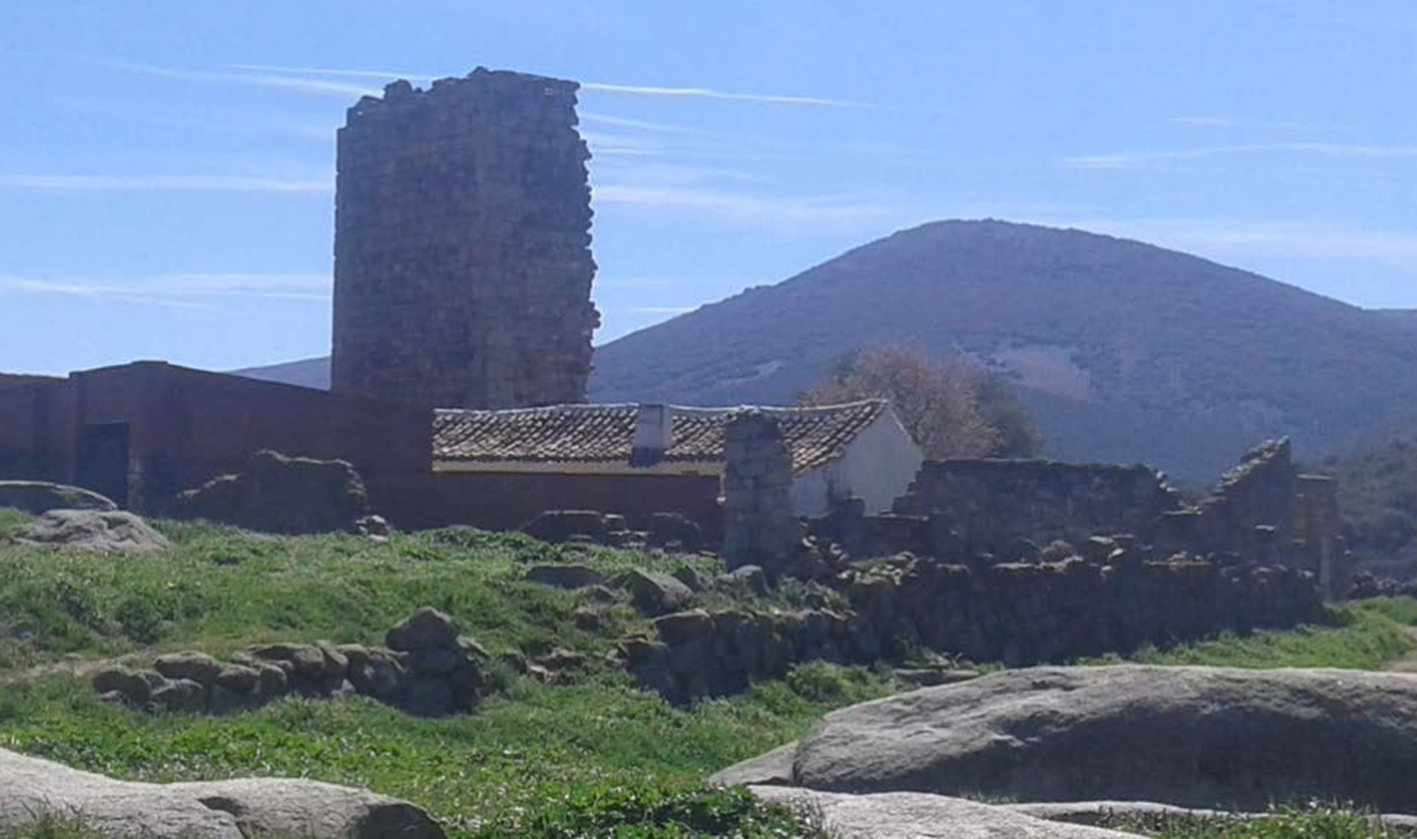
point(877, 467)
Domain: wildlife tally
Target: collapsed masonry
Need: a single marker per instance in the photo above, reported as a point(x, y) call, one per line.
point(1263, 512)
point(462, 245)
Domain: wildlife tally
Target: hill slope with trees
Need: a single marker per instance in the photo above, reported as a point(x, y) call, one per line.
point(1122, 350)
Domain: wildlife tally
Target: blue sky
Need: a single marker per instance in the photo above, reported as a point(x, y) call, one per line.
point(166, 168)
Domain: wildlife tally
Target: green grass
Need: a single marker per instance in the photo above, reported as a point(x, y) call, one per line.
point(1366, 635)
point(10, 522)
point(534, 761)
point(1310, 822)
point(221, 590)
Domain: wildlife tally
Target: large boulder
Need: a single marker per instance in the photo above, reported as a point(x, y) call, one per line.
point(39, 497)
point(279, 494)
point(654, 593)
point(1194, 737)
point(92, 530)
point(218, 810)
point(909, 815)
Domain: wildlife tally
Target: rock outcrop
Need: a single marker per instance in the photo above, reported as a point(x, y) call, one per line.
point(279, 494)
point(39, 497)
point(908, 815)
point(236, 809)
point(92, 530)
point(1193, 737)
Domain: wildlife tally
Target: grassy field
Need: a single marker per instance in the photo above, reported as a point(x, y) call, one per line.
point(535, 761)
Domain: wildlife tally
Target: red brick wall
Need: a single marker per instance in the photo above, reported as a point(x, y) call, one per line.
point(188, 426)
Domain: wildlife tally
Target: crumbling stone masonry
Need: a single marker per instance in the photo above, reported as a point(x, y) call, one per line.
point(760, 527)
point(462, 245)
point(990, 503)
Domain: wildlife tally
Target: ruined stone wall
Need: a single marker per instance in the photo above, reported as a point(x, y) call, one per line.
point(462, 245)
point(1013, 614)
point(760, 527)
point(991, 503)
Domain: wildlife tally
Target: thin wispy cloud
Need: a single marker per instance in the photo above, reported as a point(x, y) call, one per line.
point(707, 93)
point(191, 290)
point(602, 87)
point(1136, 160)
point(42, 182)
point(299, 84)
point(1230, 122)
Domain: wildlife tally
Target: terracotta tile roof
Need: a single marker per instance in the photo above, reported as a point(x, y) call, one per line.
point(590, 434)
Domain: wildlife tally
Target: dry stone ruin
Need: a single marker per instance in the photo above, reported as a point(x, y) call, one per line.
point(462, 245)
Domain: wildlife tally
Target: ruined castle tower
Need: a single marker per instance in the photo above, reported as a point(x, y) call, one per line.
point(462, 245)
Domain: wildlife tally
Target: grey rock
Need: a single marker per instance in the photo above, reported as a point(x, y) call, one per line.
point(239, 679)
point(301, 662)
point(219, 810)
point(557, 526)
point(129, 684)
point(92, 530)
point(181, 695)
point(425, 629)
point(654, 593)
point(683, 627)
point(908, 815)
point(774, 768)
point(39, 497)
point(197, 667)
point(564, 576)
point(1187, 736)
point(750, 578)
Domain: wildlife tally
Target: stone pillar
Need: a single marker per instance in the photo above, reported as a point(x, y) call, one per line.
point(759, 525)
point(1318, 524)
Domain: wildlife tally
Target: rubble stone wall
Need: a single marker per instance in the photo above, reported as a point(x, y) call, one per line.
point(1014, 614)
point(990, 503)
point(462, 245)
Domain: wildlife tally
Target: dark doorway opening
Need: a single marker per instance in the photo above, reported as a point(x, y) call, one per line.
point(103, 460)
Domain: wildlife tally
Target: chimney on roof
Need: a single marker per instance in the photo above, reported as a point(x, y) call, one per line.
point(654, 432)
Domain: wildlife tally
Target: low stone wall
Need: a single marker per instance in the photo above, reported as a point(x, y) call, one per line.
point(428, 669)
point(1015, 614)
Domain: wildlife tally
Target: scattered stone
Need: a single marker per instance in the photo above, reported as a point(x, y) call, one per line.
point(374, 526)
point(432, 672)
point(749, 578)
point(39, 497)
point(92, 530)
point(561, 526)
point(236, 809)
point(674, 531)
point(564, 576)
point(691, 578)
point(654, 593)
point(426, 629)
point(125, 683)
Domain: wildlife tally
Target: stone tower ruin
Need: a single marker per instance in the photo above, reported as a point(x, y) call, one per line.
point(462, 245)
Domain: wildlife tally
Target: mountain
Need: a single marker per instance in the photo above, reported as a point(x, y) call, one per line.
point(309, 372)
point(1124, 351)
point(1377, 490)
